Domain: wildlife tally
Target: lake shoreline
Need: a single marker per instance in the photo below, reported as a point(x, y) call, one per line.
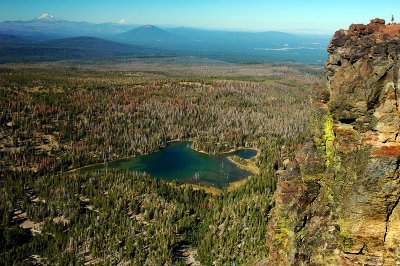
point(214, 190)
point(159, 149)
point(123, 158)
point(228, 152)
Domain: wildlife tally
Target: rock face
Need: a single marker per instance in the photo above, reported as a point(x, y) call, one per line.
point(338, 202)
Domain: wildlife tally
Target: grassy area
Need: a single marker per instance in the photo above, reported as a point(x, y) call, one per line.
point(245, 164)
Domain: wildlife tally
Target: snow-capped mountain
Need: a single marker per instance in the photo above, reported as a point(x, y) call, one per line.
point(46, 17)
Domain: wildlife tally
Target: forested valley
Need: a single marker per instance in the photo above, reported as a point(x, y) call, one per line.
point(55, 120)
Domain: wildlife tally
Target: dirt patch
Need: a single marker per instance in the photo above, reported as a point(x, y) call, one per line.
point(183, 251)
point(20, 218)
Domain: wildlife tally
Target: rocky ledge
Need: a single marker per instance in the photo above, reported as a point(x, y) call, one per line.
point(338, 201)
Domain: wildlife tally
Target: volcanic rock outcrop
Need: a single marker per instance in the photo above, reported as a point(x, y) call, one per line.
point(338, 202)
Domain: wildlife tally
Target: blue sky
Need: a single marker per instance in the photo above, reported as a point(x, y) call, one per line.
point(256, 15)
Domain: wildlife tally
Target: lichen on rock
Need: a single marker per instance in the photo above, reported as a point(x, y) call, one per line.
point(328, 137)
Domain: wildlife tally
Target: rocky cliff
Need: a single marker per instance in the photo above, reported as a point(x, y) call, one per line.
point(338, 201)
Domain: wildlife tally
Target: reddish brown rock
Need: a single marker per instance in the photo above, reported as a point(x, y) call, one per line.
point(387, 151)
point(378, 21)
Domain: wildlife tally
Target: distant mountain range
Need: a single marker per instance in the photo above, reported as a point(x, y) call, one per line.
point(12, 39)
point(47, 26)
point(16, 49)
point(114, 39)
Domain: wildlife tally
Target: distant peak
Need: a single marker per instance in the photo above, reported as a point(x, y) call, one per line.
point(123, 21)
point(46, 16)
point(148, 26)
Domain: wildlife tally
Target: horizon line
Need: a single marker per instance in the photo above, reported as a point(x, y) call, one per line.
point(306, 31)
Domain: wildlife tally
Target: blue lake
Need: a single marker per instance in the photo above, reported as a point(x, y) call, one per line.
point(179, 162)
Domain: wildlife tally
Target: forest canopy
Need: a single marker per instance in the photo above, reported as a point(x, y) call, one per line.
point(59, 119)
